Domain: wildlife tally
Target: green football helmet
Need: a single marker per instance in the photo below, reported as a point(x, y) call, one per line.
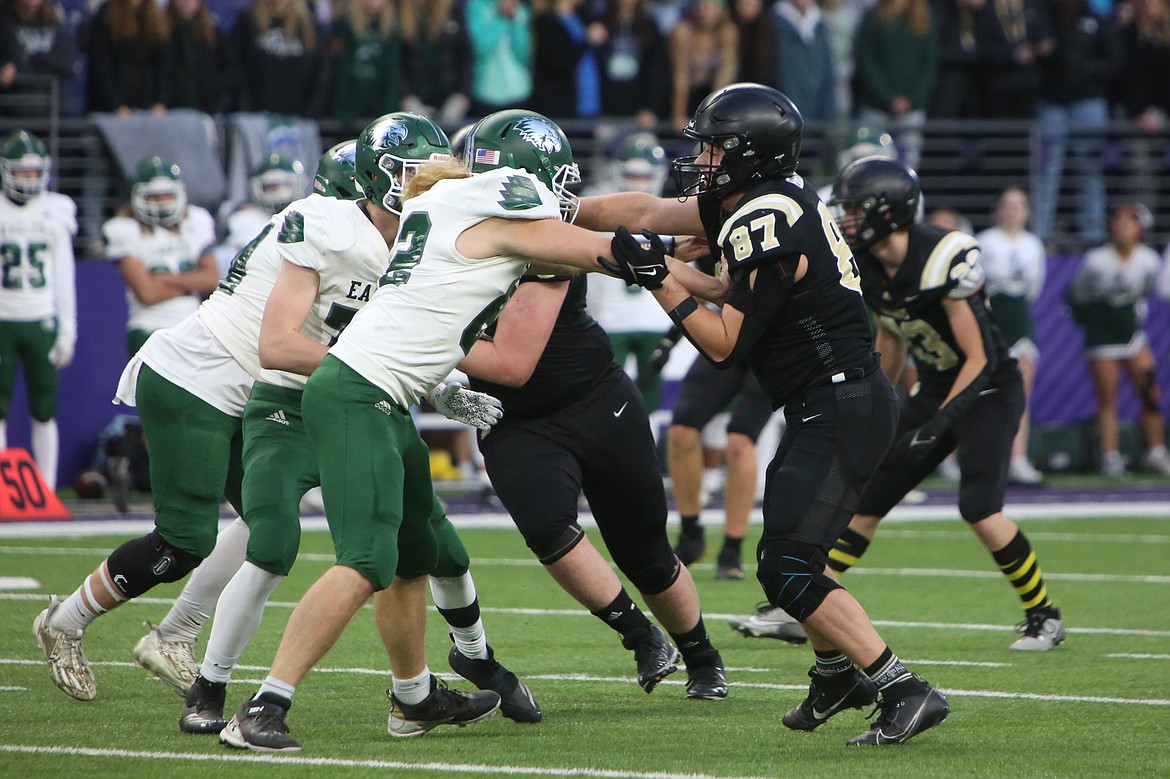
point(641, 165)
point(24, 166)
point(158, 195)
point(529, 141)
point(391, 147)
point(277, 182)
point(335, 173)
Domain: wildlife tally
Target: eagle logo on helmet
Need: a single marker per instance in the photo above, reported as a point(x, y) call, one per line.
point(394, 133)
point(540, 134)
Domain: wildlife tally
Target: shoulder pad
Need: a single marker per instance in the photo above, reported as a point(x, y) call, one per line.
point(757, 231)
point(941, 267)
point(321, 222)
point(509, 193)
point(121, 236)
point(64, 210)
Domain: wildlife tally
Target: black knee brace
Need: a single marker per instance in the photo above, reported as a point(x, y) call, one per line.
point(138, 565)
point(549, 548)
point(793, 577)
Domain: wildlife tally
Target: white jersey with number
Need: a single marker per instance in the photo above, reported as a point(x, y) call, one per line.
point(36, 249)
point(160, 250)
point(434, 302)
point(332, 237)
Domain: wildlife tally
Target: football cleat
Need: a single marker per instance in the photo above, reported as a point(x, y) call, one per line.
point(1042, 630)
point(172, 662)
point(690, 549)
point(828, 695)
point(443, 706)
point(67, 664)
point(516, 701)
point(904, 714)
point(203, 707)
point(707, 681)
point(770, 622)
point(259, 726)
point(656, 658)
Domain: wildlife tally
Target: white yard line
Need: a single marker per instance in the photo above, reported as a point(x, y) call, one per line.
point(81, 528)
point(677, 683)
point(458, 769)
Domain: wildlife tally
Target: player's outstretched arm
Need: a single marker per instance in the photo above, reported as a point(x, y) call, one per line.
point(637, 210)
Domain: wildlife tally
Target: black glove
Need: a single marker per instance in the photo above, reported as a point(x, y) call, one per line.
point(661, 354)
point(916, 445)
point(635, 263)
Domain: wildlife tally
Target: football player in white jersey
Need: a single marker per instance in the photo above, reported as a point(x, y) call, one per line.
point(162, 247)
point(463, 244)
point(38, 311)
point(190, 383)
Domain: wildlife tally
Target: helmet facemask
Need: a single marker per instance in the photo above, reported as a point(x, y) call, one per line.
point(273, 189)
point(18, 185)
point(564, 177)
point(160, 201)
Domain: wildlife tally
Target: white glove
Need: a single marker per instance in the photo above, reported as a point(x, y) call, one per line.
point(62, 352)
point(477, 409)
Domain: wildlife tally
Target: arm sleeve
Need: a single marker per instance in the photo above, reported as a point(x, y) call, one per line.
point(64, 286)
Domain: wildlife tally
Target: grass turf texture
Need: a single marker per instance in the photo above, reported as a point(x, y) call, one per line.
point(933, 590)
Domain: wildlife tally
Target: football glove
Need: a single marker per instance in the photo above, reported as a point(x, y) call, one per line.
point(477, 409)
point(61, 353)
point(637, 262)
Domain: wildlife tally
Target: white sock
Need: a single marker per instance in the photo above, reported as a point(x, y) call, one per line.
point(414, 690)
point(3, 434)
point(276, 687)
point(44, 450)
point(458, 592)
point(237, 618)
point(82, 608)
point(196, 603)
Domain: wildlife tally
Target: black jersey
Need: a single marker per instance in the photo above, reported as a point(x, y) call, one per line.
point(576, 359)
point(939, 264)
point(796, 334)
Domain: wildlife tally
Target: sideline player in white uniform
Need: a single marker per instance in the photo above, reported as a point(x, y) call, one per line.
point(162, 247)
point(38, 308)
point(190, 383)
point(463, 245)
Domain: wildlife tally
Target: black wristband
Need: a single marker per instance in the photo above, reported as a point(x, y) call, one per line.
point(682, 311)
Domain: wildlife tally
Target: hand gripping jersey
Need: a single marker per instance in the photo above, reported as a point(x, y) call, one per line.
point(797, 334)
point(433, 303)
point(939, 265)
point(161, 250)
point(333, 237)
point(35, 239)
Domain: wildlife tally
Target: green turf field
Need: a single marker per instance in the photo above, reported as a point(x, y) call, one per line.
point(1098, 706)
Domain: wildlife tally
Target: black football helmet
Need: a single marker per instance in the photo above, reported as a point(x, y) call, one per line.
point(759, 130)
point(877, 197)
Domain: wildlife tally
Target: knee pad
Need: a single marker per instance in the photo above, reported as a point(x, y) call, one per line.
point(138, 565)
point(550, 547)
point(793, 577)
point(651, 569)
point(453, 558)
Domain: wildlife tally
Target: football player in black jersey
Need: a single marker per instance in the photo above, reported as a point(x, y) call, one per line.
point(925, 285)
point(793, 308)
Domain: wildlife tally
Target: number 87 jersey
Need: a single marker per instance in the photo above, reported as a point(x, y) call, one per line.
point(796, 334)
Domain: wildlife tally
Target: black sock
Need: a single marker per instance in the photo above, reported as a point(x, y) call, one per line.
point(887, 670)
point(1018, 563)
point(695, 644)
point(279, 700)
point(690, 525)
point(624, 616)
point(847, 550)
point(732, 545)
point(832, 662)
